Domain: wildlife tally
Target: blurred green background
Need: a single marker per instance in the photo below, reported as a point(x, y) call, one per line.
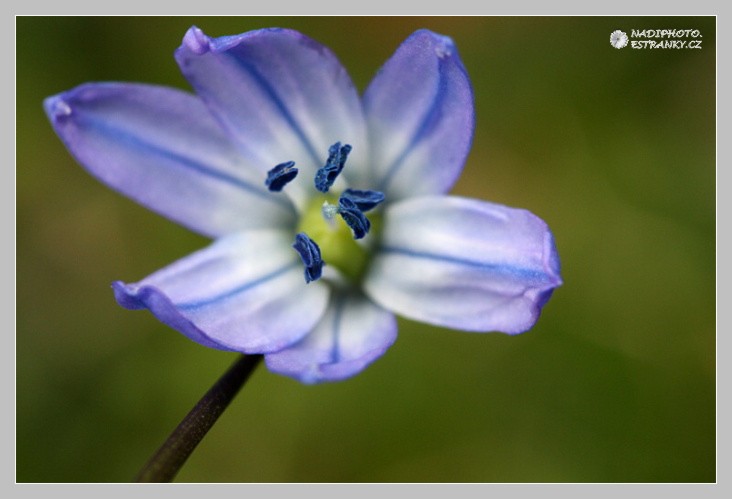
point(615, 149)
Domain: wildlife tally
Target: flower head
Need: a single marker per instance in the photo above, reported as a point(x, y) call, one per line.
point(328, 210)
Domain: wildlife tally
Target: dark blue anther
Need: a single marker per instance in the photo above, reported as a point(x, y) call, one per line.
point(325, 176)
point(354, 217)
point(310, 255)
point(365, 200)
point(280, 175)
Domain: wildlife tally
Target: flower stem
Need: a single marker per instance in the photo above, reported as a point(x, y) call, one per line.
point(167, 461)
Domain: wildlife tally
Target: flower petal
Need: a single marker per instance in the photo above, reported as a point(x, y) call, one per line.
point(246, 292)
point(281, 95)
point(419, 111)
point(160, 147)
point(353, 333)
point(464, 264)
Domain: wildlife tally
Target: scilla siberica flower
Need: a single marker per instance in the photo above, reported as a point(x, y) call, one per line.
point(278, 159)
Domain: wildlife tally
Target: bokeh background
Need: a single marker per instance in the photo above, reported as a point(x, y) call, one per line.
point(615, 149)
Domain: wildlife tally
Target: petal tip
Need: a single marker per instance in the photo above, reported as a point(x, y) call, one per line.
point(127, 296)
point(442, 45)
point(56, 108)
point(136, 297)
point(196, 41)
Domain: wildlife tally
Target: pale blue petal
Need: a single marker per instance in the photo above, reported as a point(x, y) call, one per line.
point(281, 95)
point(419, 110)
point(353, 333)
point(160, 147)
point(246, 292)
point(464, 264)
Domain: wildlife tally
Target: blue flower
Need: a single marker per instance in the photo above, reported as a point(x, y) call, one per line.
point(278, 159)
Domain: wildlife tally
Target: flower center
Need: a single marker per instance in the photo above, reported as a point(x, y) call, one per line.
point(335, 237)
point(332, 228)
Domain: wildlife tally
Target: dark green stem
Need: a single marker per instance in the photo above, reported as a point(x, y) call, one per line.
point(169, 458)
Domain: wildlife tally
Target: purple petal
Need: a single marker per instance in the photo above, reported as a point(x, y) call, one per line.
point(160, 147)
point(352, 334)
point(419, 111)
point(245, 292)
point(281, 95)
point(464, 264)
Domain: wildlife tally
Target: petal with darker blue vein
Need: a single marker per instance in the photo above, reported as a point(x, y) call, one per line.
point(160, 147)
point(420, 116)
point(277, 92)
point(353, 332)
point(464, 264)
point(245, 292)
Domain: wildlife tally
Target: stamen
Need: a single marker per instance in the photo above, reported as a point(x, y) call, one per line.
point(310, 254)
point(365, 200)
point(326, 176)
point(354, 217)
point(280, 175)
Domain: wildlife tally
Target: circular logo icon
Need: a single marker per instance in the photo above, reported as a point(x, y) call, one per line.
point(618, 39)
